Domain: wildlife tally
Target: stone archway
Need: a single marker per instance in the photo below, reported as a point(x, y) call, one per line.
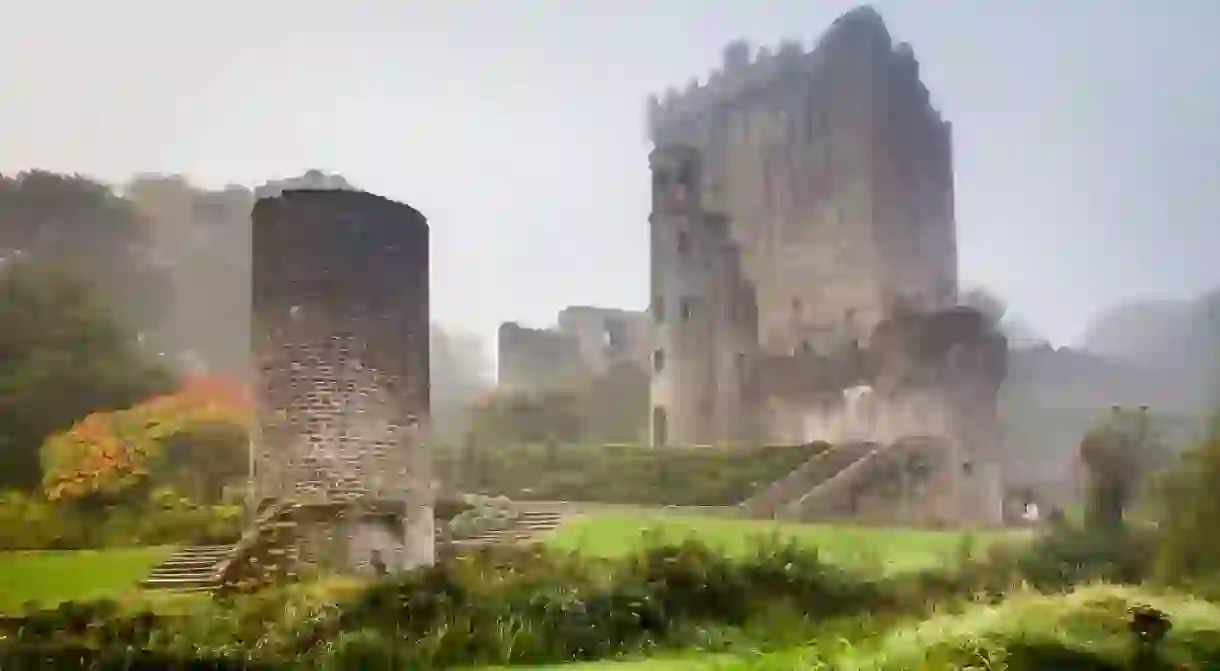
point(660, 426)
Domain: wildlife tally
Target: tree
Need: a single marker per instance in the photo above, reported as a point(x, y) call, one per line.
point(1188, 498)
point(1118, 454)
point(76, 223)
point(62, 356)
point(194, 438)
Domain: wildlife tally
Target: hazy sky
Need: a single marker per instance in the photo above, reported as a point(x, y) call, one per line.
point(1087, 132)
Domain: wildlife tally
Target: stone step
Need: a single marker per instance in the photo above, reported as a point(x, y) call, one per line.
point(196, 558)
point(210, 554)
point(181, 583)
point(171, 572)
point(206, 548)
point(193, 560)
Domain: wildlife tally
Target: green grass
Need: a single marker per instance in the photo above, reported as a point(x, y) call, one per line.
point(49, 577)
point(890, 550)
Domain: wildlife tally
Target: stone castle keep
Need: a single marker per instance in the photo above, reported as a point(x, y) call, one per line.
point(804, 263)
point(340, 340)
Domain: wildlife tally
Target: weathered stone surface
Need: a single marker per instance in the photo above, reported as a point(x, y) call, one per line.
point(836, 173)
point(804, 263)
point(340, 283)
point(703, 312)
point(586, 342)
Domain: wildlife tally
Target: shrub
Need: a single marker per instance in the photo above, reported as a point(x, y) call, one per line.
point(32, 523)
point(1189, 512)
point(621, 473)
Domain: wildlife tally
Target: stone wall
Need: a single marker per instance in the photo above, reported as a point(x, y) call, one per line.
point(703, 311)
point(608, 336)
point(537, 359)
point(340, 339)
point(927, 376)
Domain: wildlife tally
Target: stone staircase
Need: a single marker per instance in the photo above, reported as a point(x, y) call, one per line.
point(774, 501)
point(528, 527)
point(263, 552)
point(190, 569)
point(858, 492)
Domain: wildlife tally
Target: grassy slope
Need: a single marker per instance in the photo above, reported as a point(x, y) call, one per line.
point(890, 549)
point(51, 577)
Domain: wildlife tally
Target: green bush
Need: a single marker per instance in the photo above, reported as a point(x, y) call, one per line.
point(1068, 556)
point(509, 605)
point(32, 523)
point(1187, 506)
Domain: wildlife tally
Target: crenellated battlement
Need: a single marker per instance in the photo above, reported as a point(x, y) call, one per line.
point(743, 70)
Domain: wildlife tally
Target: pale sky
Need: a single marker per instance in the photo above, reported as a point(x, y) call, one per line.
point(1087, 132)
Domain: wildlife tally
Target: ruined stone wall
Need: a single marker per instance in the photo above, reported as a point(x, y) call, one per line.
point(608, 336)
point(922, 376)
point(836, 173)
point(340, 343)
point(703, 311)
point(538, 359)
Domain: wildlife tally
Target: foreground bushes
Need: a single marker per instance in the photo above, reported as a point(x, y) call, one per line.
point(497, 607)
point(511, 605)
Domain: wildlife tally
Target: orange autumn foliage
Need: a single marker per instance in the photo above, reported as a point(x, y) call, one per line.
point(106, 452)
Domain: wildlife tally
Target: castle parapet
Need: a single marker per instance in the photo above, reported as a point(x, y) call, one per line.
point(743, 70)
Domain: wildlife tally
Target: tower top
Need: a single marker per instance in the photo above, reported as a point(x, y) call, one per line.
point(742, 69)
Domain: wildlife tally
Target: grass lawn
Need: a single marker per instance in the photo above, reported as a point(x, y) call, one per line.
point(848, 546)
point(48, 577)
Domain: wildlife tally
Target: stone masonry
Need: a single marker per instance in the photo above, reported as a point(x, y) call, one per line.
point(340, 340)
point(704, 321)
point(803, 208)
point(836, 173)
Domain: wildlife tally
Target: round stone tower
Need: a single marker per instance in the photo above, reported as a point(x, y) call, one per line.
point(340, 346)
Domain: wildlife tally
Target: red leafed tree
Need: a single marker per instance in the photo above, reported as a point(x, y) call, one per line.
point(195, 436)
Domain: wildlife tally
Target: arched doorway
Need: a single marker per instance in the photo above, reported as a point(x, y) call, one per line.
point(660, 426)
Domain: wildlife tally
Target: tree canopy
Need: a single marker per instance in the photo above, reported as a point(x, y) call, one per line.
point(108, 452)
point(62, 356)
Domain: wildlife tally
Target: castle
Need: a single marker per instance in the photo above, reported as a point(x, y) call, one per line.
point(804, 262)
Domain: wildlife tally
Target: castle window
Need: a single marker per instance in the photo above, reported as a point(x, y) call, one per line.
point(658, 360)
point(686, 307)
point(796, 307)
point(683, 243)
point(686, 176)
